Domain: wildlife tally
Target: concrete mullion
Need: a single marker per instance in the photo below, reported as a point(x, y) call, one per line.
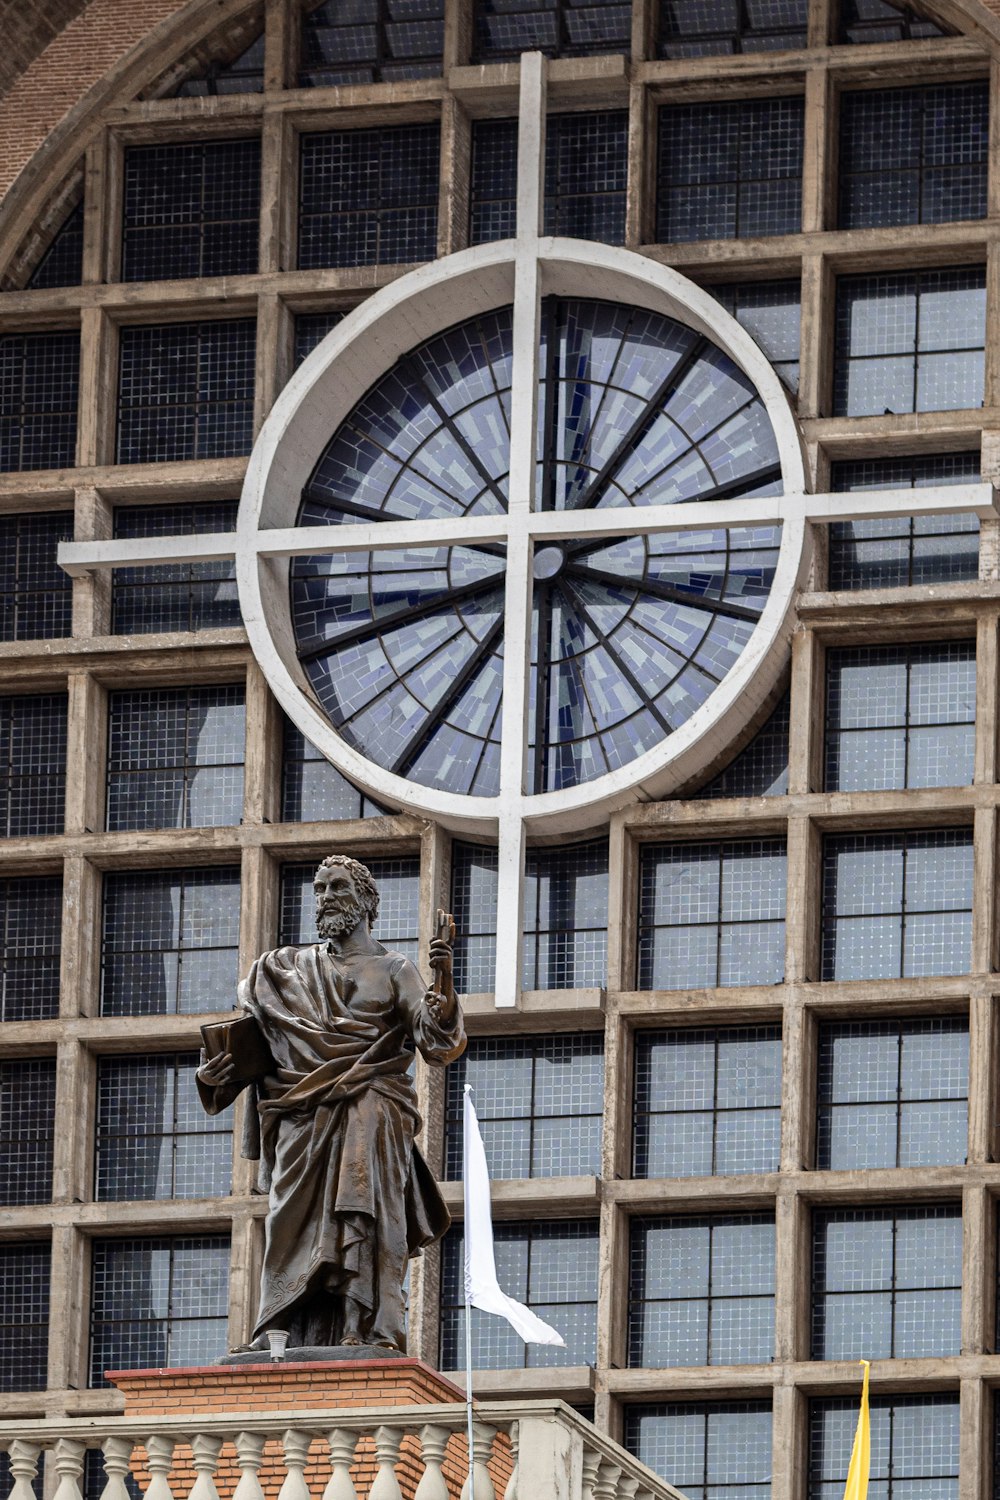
point(822, 15)
point(805, 736)
point(802, 919)
point(618, 1102)
point(93, 522)
point(80, 961)
point(993, 173)
point(984, 914)
point(281, 44)
point(277, 168)
point(978, 1268)
point(258, 906)
point(621, 906)
point(645, 20)
point(798, 1073)
point(640, 207)
point(816, 353)
point(73, 1150)
point(273, 354)
point(96, 227)
point(69, 1303)
point(608, 1415)
point(456, 170)
point(983, 1092)
point(975, 1440)
point(817, 174)
point(613, 1288)
point(989, 530)
point(789, 1443)
point(262, 754)
point(991, 377)
point(792, 1261)
point(457, 34)
point(244, 1276)
point(986, 699)
point(86, 754)
point(97, 404)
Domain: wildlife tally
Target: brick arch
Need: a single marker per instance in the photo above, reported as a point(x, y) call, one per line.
point(107, 55)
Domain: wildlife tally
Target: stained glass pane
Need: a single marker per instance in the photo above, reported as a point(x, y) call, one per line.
point(404, 647)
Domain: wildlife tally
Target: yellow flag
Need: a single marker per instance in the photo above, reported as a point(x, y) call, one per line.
point(856, 1487)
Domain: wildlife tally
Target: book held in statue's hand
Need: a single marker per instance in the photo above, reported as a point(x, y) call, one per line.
point(243, 1039)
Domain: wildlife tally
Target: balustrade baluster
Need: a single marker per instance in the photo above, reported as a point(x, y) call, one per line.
point(24, 1458)
point(69, 1456)
point(606, 1483)
point(340, 1485)
point(591, 1464)
point(433, 1442)
point(205, 1452)
point(249, 1451)
point(482, 1447)
point(628, 1487)
point(117, 1458)
point(514, 1433)
point(159, 1457)
point(296, 1445)
point(385, 1485)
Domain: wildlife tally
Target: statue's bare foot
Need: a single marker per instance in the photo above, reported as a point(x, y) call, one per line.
point(258, 1346)
point(351, 1341)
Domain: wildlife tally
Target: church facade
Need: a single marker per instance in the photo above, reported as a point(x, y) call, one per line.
point(713, 801)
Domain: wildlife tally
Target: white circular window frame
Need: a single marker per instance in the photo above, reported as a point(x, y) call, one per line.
point(364, 347)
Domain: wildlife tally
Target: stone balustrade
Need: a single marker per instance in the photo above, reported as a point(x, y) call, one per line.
point(523, 1450)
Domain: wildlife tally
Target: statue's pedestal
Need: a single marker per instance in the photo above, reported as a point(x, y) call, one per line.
point(295, 1389)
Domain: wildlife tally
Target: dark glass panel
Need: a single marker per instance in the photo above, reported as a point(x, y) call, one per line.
point(25, 1274)
point(157, 1302)
point(897, 904)
point(175, 757)
point(39, 385)
point(191, 209)
point(711, 914)
point(186, 391)
point(170, 941)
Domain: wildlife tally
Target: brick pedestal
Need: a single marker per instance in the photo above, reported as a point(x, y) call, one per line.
point(297, 1390)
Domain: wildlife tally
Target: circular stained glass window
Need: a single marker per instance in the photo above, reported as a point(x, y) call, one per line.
point(404, 647)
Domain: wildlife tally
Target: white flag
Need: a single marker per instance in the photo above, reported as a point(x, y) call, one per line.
point(481, 1286)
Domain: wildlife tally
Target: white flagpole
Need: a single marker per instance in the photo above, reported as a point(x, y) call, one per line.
point(466, 1230)
point(468, 1393)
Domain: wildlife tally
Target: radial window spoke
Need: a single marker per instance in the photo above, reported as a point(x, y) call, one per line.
point(404, 647)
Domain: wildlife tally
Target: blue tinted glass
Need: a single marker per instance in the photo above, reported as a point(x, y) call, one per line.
point(404, 647)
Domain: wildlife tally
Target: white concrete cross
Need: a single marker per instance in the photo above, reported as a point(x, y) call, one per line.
point(365, 345)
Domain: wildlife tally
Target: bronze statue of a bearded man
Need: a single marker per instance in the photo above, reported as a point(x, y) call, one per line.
point(334, 1118)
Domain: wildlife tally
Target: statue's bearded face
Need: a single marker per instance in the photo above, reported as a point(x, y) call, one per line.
point(338, 907)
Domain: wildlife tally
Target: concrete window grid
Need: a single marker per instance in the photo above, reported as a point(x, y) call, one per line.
point(91, 662)
point(181, 596)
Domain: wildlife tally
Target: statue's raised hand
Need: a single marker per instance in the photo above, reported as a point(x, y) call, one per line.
point(441, 1002)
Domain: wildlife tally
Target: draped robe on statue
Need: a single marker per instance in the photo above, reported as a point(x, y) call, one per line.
point(351, 1198)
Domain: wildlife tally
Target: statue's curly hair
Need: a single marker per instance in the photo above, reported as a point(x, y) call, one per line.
point(364, 882)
